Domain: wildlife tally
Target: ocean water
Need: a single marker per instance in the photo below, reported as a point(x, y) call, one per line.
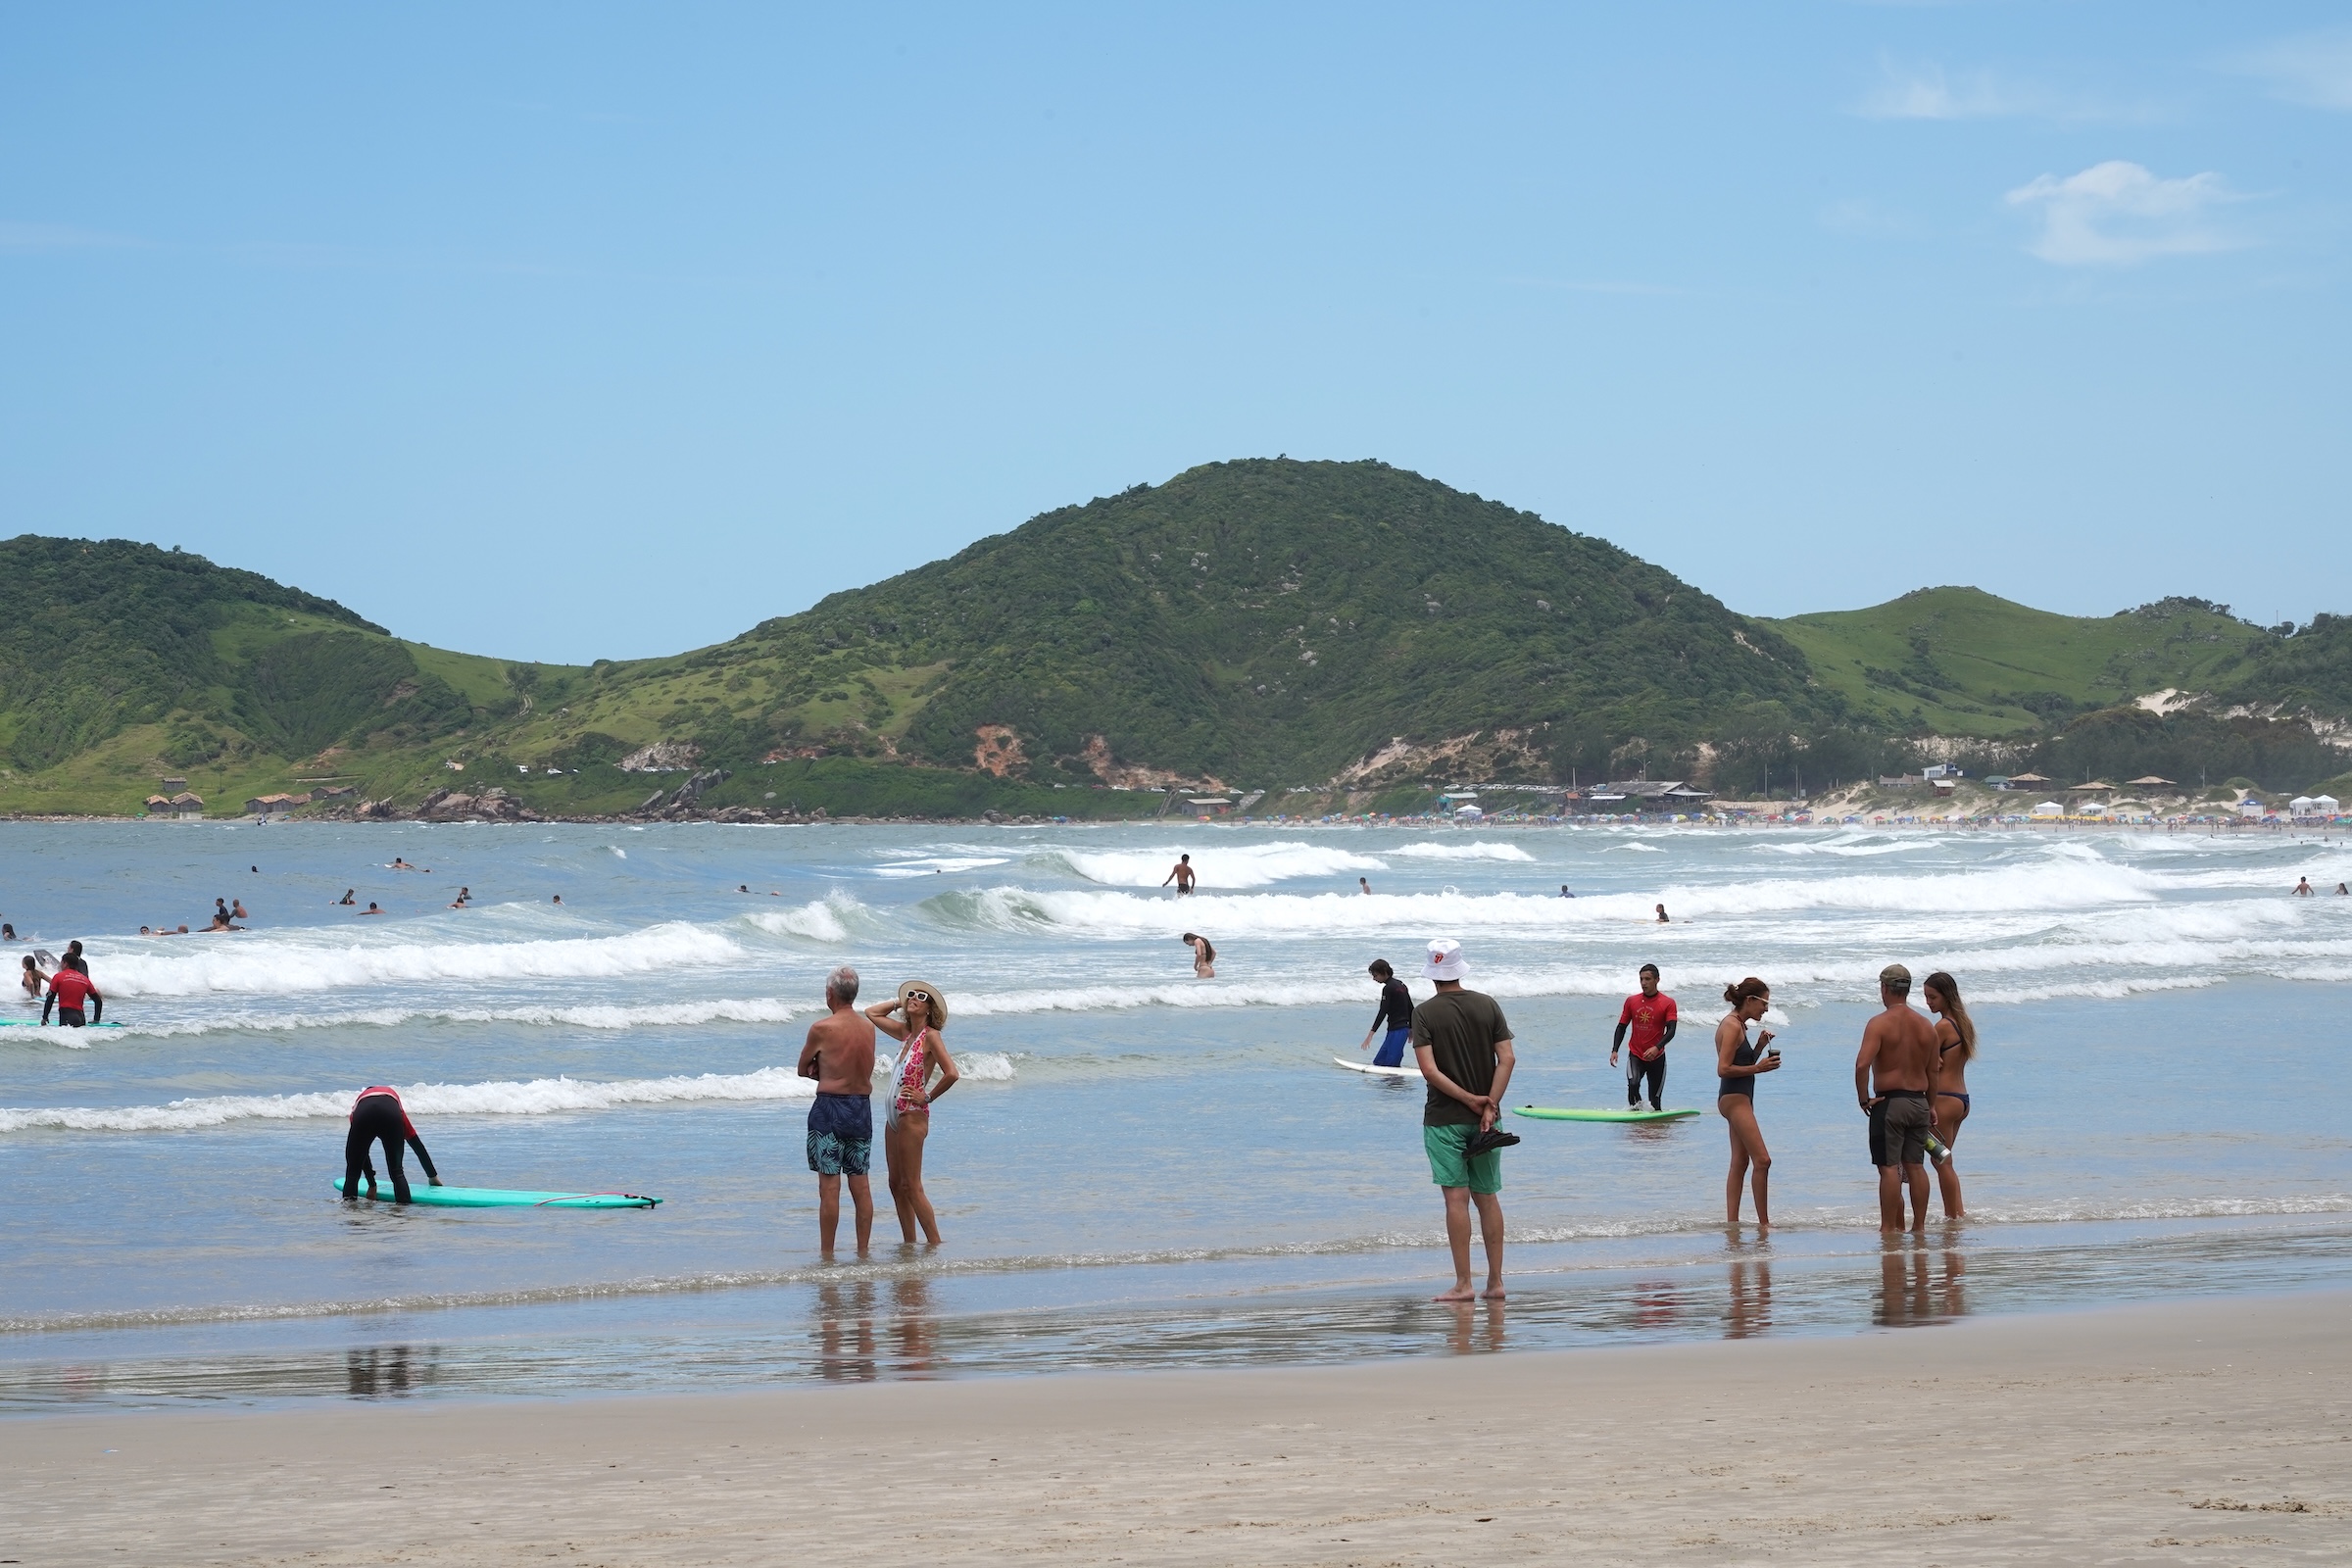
point(1140, 1168)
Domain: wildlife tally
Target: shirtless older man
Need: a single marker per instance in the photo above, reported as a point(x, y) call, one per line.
point(839, 1053)
point(1895, 1079)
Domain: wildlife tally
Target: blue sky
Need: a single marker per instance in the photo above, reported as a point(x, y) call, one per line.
point(577, 331)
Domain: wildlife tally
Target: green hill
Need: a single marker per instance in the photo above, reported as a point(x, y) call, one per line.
point(122, 664)
point(1961, 661)
point(1264, 622)
point(1261, 624)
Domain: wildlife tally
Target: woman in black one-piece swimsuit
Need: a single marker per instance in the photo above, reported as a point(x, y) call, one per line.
point(1738, 1062)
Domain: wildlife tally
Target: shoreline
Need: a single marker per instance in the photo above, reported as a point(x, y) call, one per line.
point(2141, 1433)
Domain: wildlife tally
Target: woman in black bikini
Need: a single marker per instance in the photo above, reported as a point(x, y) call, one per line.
point(1956, 1040)
point(1737, 1064)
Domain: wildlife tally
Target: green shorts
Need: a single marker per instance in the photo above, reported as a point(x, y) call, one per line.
point(1447, 1167)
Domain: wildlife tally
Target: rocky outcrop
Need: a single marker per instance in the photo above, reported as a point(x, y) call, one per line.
point(682, 800)
point(378, 812)
point(662, 756)
point(490, 806)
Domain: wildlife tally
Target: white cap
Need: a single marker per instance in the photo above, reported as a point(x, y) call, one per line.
point(1444, 960)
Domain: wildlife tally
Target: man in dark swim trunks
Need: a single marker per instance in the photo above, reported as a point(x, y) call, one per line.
point(1181, 873)
point(69, 990)
point(1651, 1019)
point(1895, 1079)
point(839, 1053)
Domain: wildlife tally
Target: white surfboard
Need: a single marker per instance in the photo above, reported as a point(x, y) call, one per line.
point(1378, 1072)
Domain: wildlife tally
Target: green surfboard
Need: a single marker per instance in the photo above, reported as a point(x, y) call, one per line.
point(1552, 1113)
point(423, 1195)
point(35, 1023)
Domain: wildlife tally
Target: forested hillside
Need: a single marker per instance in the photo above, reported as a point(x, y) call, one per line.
point(1260, 623)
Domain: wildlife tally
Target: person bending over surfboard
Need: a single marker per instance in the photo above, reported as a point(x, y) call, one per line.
point(1396, 1010)
point(379, 1116)
point(1651, 1018)
point(839, 1053)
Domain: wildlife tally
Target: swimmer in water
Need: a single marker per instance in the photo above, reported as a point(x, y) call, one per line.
point(1205, 956)
point(349, 896)
point(1662, 920)
point(371, 910)
point(399, 864)
point(465, 896)
point(32, 980)
point(1181, 873)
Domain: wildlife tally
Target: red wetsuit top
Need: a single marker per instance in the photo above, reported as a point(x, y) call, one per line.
point(1649, 1016)
point(407, 1128)
point(70, 988)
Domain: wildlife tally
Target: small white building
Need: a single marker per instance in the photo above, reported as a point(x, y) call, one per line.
point(2049, 808)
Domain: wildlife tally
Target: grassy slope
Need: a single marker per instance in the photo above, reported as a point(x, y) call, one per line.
point(1961, 661)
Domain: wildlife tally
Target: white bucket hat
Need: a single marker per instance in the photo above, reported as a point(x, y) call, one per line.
point(1444, 960)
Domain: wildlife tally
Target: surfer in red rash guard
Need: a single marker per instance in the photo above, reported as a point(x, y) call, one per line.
point(379, 1116)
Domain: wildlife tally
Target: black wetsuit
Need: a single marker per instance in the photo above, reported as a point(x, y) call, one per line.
point(381, 1118)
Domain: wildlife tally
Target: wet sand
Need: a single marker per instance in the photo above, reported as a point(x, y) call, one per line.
point(2211, 1431)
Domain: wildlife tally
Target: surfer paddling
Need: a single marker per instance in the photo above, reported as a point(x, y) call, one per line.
point(379, 1116)
point(1895, 1079)
point(839, 1053)
point(1651, 1018)
point(1464, 1045)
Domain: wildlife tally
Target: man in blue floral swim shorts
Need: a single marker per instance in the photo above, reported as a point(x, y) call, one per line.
point(839, 1055)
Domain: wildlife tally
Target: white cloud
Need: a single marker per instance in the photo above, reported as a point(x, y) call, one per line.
point(2313, 68)
point(2116, 213)
point(1927, 93)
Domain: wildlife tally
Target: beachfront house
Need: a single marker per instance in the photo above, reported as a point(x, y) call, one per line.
point(1205, 806)
point(183, 807)
point(159, 805)
point(274, 804)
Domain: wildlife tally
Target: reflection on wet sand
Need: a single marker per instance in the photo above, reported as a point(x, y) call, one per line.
point(386, 1371)
point(1747, 1311)
point(913, 1329)
point(1477, 1327)
point(1918, 1284)
point(845, 1331)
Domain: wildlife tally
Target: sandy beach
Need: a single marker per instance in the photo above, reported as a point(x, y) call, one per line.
point(2211, 1431)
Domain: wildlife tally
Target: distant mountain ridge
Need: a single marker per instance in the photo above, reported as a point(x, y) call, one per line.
point(1262, 622)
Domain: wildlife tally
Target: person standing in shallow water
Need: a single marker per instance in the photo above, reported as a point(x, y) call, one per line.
point(1181, 873)
point(1651, 1018)
point(1463, 1046)
point(1895, 1077)
point(839, 1053)
point(1395, 1012)
point(924, 1072)
point(1956, 1047)
point(1204, 955)
point(1738, 1062)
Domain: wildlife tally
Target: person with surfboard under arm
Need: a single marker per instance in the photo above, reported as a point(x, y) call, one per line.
point(1396, 1010)
point(1651, 1019)
point(379, 1116)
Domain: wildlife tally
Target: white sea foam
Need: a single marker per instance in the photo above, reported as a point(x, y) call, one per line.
point(825, 920)
point(539, 1097)
point(936, 865)
point(271, 965)
point(1222, 863)
point(1466, 850)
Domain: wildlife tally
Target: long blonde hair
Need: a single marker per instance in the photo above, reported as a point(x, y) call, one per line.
point(1956, 1011)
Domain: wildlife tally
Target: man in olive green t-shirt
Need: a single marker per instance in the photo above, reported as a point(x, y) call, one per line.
point(1464, 1045)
